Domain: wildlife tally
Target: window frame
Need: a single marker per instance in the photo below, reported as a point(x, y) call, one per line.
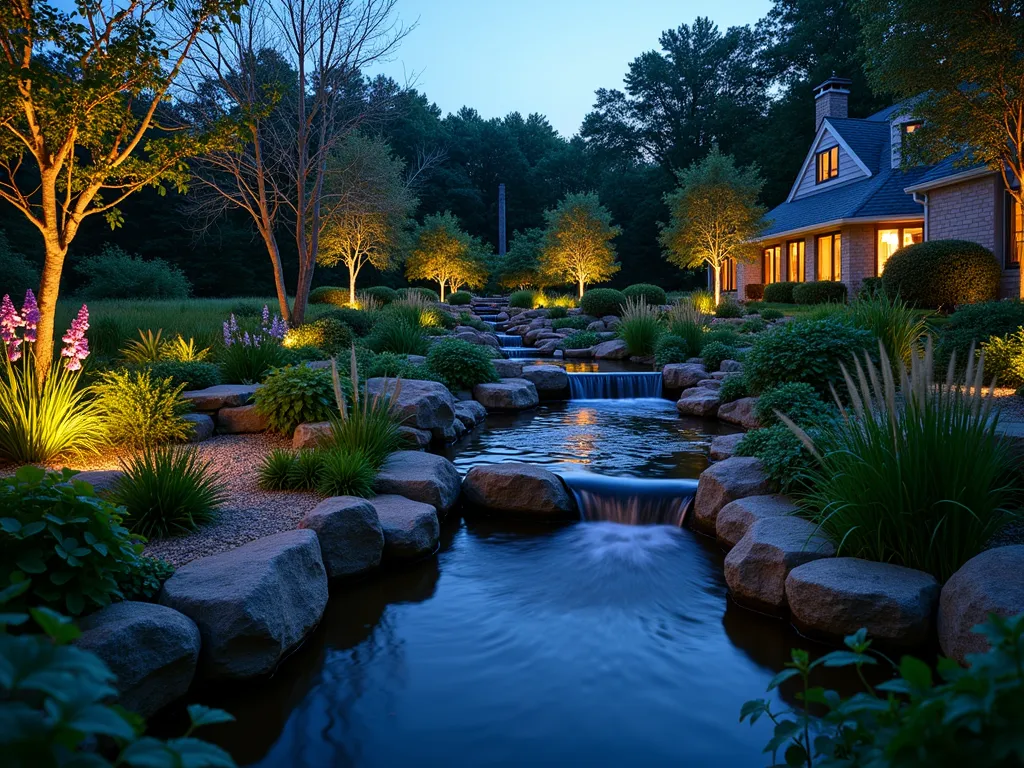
point(727, 275)
point(1012, 238)
point(833, 167)
point(802, 259)
point(776, 250)
point(837, 266)
point(900, 227)
point(910, 126)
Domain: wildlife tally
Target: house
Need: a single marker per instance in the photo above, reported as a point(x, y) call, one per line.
point(852, 205)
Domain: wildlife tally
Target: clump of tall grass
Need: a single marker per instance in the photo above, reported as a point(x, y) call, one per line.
point(640, 326)
point(689, 322)
point(701, 300)
point(369, 426)
point(913, 472)
point(897, 325)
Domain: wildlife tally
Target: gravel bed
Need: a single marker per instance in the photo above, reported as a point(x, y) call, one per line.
point(1011, 407)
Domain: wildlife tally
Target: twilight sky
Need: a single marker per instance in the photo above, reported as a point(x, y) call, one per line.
point(546, 56)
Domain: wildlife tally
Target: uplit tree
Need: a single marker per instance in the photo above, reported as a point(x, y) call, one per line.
point(84, 120)
point(577, 241)
point(443, 253)
point(714, 216)
point(521, 266)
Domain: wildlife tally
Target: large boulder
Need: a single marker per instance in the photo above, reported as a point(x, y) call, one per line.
point(421, 477)
point(152, 649)
point(699, 401)
point(547, 378)
point(350, 536)
point(757, 567)
point(836, 596)
point(987, 583)
point(470, 413)
point(739, 412)
point(420, 438)
point(102, 481)
point(730, 366)
point(724, 446)
point(519, 490)
point(421, 404)
point(201, 426)
point(508, 369)
point(411, 529)
point(726, 481)
point(253, 604)
point(680, 376)
point(507, 395)
point(616, 349)
point(311, 433)
point(736, 517)
point(244, 419)
point(220, 396)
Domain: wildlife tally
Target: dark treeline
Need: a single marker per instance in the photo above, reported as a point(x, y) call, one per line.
point(746, 89)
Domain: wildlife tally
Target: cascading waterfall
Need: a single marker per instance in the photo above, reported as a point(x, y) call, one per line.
point(631, 500)
point(509, 340)
point(515, 353)
point(603, 386)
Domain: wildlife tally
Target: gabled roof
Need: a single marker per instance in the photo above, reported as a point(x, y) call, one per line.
point(867, 139)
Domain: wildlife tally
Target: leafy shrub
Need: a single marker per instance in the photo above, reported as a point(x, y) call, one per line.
point(302, 355)
point(557, 313)
point(145, 349)
point(248, 364)
point(359, 321)
point(460, 298)
point(168, 491)
point(139, 410)
point(461, 365)
point(69, 543)
point(115, 274)
point(326, 333)
point(600, 302)
point(652, 294)
point(394, 366)
point(370, 426)
point(754, 291)
point(755, 324)
point(145, 579)
point(246, 309)
point(786, 461)
point(395, 334)
point(182, 350)
point(1004, 359)
point(729, 309)
point(329, 294)
point(524, 299)
point(916, 475)
point(942, 274)
point(798, 401)
point(810, 351)
point(197, 375)
point(295, 395)
point(771, 314)
point(726, 336)
point(892, 322)
point(714, 353)
point(386, 295)
point(640, 327)
point(977, 323)
point(673, 349)
point(579, 340)
point(576, 322)
point(780, 293)
point(733, 388)
point(345, 474)
point(870, 288)
point(819, 292)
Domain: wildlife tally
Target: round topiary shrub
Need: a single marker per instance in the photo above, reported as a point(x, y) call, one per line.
point(524, 299)
point(820, 292)
point(329, 294)
point(557, 313)
point(360, 321)
point(771, 314)
point(870, 287)
point(714, 353)
point(600, 302)
point(460, 364)
point(671, 349)
point(797, 400)
point(381, 293)
point(652, 294)
point(326, 333)
point(460, 298)
point(780, 293)
point(942, 274)
point(729, 309)
point(295, 395)
point(754, 291)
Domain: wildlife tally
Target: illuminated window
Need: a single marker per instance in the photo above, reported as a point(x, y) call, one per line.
point(773, 264)
point(830, 257)
point(892, 239)
point(1015, 235)
point(827, 165)
point(795, 261)
point(728, 275)
point(910, 127)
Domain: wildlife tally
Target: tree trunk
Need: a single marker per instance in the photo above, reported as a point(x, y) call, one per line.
point(581, 287)
point(49, 289)
point(352, 285)
point(275, 260)
point(717, 268)
point(442, 289)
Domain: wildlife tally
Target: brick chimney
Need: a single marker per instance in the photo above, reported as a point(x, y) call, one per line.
point(831, 99)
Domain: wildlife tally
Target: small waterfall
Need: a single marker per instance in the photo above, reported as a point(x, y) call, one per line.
point(631, 500)
point(514, 353)
point(614, 386)
point(509, 340)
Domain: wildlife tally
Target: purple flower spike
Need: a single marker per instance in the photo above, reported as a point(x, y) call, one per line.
point(30, 316)
point(266, 316)
point(10, 321)
point(76, 347)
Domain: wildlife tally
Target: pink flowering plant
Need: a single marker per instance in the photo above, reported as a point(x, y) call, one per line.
point(250, 353)
point(42, 420)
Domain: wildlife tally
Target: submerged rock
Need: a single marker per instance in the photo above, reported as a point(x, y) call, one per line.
point(507, 395)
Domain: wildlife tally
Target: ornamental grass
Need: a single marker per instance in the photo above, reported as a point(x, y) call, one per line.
point(640, 326)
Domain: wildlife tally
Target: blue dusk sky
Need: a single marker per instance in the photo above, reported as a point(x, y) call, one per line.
point(546, 56)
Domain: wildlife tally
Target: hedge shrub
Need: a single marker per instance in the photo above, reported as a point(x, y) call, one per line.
point(557, 313)
point(116, 274)
point(733, 388)
point(460, 364)
point(672, 349)
point(383, 294)
point(942, 274)
point(460, 298)
point(820, 292)
point(524, 299)
point(729, 309)
point(579, 340)
point(329, 294)
point(754, 291)
point(600, 302)
point(870, 287)
point(977, 323)
point(650, 293)
point(797, 400)
point(326, 333)
point(780, 293)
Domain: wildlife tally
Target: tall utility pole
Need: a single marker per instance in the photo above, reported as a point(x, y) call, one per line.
point(501, 219)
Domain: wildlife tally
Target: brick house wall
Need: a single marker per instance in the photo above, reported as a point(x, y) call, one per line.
point(859, 258)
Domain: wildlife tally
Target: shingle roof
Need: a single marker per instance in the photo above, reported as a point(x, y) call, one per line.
point(869, 140)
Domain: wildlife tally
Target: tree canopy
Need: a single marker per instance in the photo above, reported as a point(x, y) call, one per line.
point(578, 238)
point(445, 254)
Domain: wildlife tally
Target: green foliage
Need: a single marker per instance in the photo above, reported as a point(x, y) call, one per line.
point(477, 325)
point(714, 353)
point(771, 314)
point(197, 375)
point(145, 579)
point(820, 292)
point(870, 288)
point(329, 294)
point(601, 302)
point(640, 327)
point(370, 425)
point(798, 401)
point(395, 366)
point(444, 253)
point(786, 461)
point(395, 334)
point(733, 388)
point(673, 349)
point(652, 294)
point(168, 491)
point(114, 274)
point(19, 273)
point(523, 299)
point(326, 333)
point(1004, 359)
point(386, 295)
point(688, 323)
point(55, 532)
point(295, 395)
point(359, 321)
point(702, 300)
point(754, 324)
point(579, 340)
point(780, 293)
point(425, 294)
point(139, 410)
point(916, 475)
point(559, 313)
point(344, 473)
point(942, 274)
point(729, 309)
point(460, 365)
point(460, 298)
point(276, 470)
point(145, 349)
point(576, 322)
point(249, 363)
point(577, 247)
point(976, 324)
point(971, 716)
point(811, 351)
point(181, 350)
point(726, 336)
point(895, 324)
point(753, 307)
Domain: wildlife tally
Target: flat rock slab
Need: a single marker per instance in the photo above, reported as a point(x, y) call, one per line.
point(836, 596)
point(699, 401)
point(740, 412)
point(470, 413)
point(421, 477)
point(757, 567)
point(724, 446)
point(220, 396)
point(244, 419)
point(253, 604)
point(679, 376)
point(507, 395)
point(201, 426)
point(410, 528)
point(101, 480)
point(152, 649)
point(421, 404)
point(987, 583)
point(616, 349)
point(726, 481)
point(547, 378)
point(350, 535)
point(736, 517)
point(508, 369)
point(310, 434)
point(519, 490)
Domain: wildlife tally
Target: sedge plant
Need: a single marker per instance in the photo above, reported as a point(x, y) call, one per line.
point(640, 326)
point(369, 426)
point(689, 322)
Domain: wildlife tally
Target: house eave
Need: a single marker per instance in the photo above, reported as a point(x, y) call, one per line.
point(834, 223)
point(945, 181)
